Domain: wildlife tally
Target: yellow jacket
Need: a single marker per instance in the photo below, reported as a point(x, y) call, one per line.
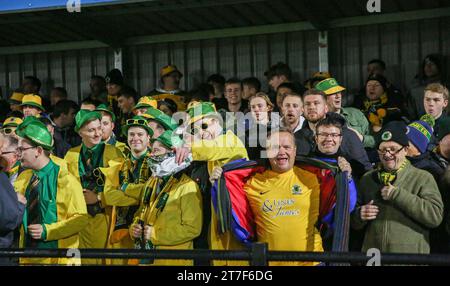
point(180, 221)
point(223, 149)
point(113, 196)
point(71, 213)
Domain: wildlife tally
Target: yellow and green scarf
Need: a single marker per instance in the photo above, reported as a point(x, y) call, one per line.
point(388, 177)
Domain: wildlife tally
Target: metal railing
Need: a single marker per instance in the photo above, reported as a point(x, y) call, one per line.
point(257, 255)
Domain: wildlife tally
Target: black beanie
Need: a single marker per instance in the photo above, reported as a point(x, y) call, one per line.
point(393, 131)
point(114, 77)
point(381, 79)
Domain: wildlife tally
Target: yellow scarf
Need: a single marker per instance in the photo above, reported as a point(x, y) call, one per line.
point(388, 178)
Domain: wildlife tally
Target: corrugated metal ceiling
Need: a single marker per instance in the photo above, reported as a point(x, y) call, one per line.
point(115, 23)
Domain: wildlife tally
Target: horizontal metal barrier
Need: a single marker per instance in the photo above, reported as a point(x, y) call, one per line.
point(257, 255)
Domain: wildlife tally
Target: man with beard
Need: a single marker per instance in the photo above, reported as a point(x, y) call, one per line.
point(315, 109)
point(84, 162)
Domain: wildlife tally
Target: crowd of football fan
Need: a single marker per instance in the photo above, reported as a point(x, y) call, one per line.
point(226, 164)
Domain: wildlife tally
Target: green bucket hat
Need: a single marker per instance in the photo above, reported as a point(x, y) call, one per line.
point(157, 115)
point(103, 107)
point(329, 86)
point(84, 116)
point(137, 121)
point(169, 139)
point(35, 131)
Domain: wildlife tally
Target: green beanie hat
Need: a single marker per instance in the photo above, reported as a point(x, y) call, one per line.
point(35, 131)
point(84, 116)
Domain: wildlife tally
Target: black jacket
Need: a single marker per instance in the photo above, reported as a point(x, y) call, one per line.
point(11, 212)
point(352, 148)
point(428, 163)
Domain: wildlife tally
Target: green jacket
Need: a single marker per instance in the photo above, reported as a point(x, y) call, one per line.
point(358, 121)
point(403, 222)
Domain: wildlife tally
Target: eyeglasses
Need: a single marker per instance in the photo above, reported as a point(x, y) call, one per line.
point(136, 121)
point(390, 151)
point(324, 135)
point(21, 149)
point(8, 130)
point(196, 129)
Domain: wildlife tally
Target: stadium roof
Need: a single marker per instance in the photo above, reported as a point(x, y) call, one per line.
point(47, 25)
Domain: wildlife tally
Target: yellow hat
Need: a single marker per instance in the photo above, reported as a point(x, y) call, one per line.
point(12, 122)
point(33, 100)
point(146, 101)
point(322, 74)
point(169, 69)
point(16, 98)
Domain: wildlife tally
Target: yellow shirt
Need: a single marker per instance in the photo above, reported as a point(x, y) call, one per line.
point(286, 209)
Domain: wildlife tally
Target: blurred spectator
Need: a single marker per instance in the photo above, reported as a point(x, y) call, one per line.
point(97, 85)
point(57, 94)
point(378, 67)
point(250, 87)
point(15, 101)
point(432, 70)
point(379, 105)
point(63, 117)
point(89, 104)
point(170, 78)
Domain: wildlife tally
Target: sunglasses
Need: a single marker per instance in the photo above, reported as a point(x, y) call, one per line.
point(196, 129)
point(136, 121)
point(99, 177)
point(8, 130)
